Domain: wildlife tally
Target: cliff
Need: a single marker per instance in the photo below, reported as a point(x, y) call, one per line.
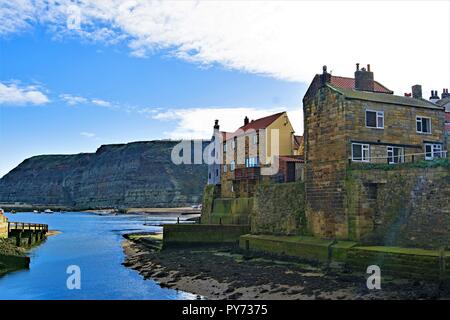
point(138, 174)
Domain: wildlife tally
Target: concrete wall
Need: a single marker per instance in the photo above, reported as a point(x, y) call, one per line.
point(230, 211)
point(279, 209)
point(400, 206)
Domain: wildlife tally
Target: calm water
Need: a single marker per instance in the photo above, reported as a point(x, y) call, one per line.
point(94, 244)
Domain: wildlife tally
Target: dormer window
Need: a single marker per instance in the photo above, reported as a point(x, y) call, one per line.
point(375, 119)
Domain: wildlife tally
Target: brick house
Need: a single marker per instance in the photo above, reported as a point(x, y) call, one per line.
point(358, 120)
point(249, 155)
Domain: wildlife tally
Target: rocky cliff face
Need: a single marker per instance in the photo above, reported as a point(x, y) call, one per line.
point(138, 174)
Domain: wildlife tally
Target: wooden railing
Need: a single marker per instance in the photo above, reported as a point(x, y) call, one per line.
point(23, 226)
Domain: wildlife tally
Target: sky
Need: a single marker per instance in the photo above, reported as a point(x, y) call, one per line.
point(78, 74)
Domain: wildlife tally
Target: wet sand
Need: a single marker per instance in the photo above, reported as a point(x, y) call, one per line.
point(227, 273)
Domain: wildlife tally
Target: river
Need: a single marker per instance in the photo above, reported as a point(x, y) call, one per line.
point(93, 243)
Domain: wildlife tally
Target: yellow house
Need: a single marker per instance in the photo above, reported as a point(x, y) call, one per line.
point(3, 225)
point(252, 154)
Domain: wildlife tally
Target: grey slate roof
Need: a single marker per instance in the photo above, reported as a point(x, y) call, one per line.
point(385, 98)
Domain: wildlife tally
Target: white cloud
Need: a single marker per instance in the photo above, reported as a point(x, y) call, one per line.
point(197, 123)
point(87, 134)
point(101, 103)
point(12, 94)
point(73, 100)
point(288, 40)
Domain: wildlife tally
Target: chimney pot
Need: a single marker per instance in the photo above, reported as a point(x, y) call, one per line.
point(245, 121)
point(216, 124)
point(364, 79)
point(357, 67)
point(324, 68)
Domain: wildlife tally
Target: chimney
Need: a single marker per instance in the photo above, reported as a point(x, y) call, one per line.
point(434, 96)
point(216, 125)
point(325, 77)
point(445, 93)
point(364, 79)
point(245, 121)
point(417, 91)
point(407, 94)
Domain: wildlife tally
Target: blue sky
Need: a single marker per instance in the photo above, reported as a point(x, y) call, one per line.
point(78, 74)
point(131, 84)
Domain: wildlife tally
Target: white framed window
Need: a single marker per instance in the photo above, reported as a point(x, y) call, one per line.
point(224, 168)
point(233, 144)
point(225, 147)
point(375, 119)
point(232, 165)
point(423, 125)
point(432, 151)
point(252, 162)
point(360, 152)
point(395, 155)
point(255, 139)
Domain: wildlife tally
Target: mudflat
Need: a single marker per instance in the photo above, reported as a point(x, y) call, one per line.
point(228, 273)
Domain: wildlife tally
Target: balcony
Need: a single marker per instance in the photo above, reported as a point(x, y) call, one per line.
point(252, 173)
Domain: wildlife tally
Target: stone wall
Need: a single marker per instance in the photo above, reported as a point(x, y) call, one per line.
point(326, 159)
point(402, 206)
point(279, 209)
point(202, 234)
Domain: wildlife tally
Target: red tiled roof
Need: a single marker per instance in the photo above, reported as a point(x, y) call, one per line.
point(257, 124)
point(349, 83)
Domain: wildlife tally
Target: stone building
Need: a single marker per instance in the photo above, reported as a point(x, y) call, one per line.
point(256, 152)
point(214, 155)
point(354, 121)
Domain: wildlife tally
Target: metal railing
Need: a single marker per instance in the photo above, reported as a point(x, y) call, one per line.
point(398, 159)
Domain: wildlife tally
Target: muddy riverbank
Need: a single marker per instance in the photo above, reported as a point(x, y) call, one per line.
point(226, 273)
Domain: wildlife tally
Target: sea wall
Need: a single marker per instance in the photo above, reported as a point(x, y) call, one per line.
point(401, 206)
point(279, 209)
point(230, 211)
point(202, 234)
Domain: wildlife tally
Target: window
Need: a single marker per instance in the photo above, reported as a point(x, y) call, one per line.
point(251, 162)
point(375, 119)
point(217, 172)
point(395, 155)
point(232, 165)
point(233, 144)
point(224, 168)
point(433, 150)
point(360, 152)
point(423, 125)
point(255, 139)
point(209, 175)
point(225, 147)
